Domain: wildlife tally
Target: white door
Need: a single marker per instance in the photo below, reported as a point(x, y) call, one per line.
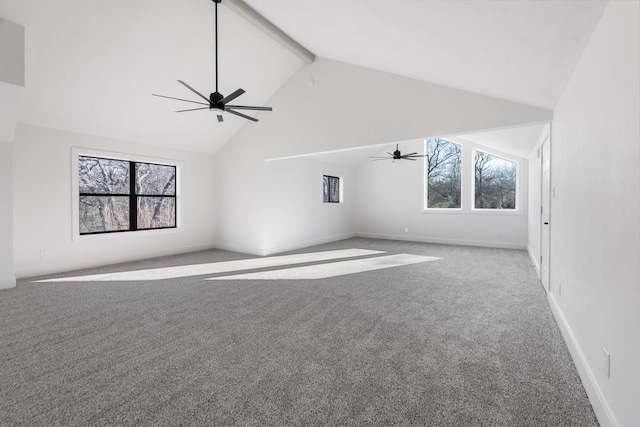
point(545, 203)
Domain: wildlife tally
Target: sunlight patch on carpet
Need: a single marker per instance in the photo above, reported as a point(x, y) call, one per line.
point(216, 267)
point(339, 268)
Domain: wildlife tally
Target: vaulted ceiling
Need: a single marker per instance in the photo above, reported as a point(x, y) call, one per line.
point(91, 66)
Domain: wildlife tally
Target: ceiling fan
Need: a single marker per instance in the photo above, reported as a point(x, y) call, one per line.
point(398, 156)
point(216, 101)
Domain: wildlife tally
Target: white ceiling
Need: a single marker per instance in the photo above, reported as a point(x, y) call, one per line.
point(91, 65)
point(518, 141)
point(519, 50)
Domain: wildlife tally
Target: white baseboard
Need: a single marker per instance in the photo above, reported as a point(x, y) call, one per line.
point(534, 260)
point(240, 249)
point(7, 282)
point(56, 266)
point(306, 244)
point(411, 238)
point(598, 402)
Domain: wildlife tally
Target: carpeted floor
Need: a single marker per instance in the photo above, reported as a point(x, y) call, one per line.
point(464, 340)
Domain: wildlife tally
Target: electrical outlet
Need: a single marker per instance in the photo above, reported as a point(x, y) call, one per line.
point(44, 253)
point(606, 362)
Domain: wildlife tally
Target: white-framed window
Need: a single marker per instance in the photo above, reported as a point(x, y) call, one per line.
point(443, 170)
point(117, 193)
point(495, 182)
point(331, 189)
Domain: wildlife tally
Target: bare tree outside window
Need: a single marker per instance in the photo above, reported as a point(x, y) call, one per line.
point(330, 189)
point(120, 195)
point(153, 184)
point(444, 162)
point(495, 182)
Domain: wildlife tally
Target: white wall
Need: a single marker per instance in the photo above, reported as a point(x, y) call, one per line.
point(348, 106)
point(295, 213)
point(390, 197)
point(42, 205)
point(595, 233)
point(12, 53)
point(7, 278)
point(11, 89)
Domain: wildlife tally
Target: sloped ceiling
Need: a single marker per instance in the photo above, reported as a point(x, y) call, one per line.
point(522, 51)
point(91, 66)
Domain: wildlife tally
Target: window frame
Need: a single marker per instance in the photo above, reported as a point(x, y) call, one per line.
point(77, 152)
point(340, 187)
point(472, 195)
point(425, 206)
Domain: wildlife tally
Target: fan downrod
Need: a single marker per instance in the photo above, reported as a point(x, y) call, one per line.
point(216, 101)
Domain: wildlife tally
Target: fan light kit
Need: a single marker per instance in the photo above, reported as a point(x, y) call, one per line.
point(398, 156)
point(216, 101)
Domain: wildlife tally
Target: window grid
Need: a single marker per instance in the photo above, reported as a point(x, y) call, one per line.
point(133, 196)
point(330, 189)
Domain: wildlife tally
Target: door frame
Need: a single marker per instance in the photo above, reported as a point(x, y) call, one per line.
point(546, 196)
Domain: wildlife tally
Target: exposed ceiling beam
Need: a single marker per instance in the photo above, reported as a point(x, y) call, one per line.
point(260, 22)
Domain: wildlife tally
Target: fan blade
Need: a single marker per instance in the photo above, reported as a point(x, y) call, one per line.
point(180, 99)
point(240, 115)
point(381, 158)
point(193, 109)
point(245, 107)
point(378, 157)
point(234, 95)
point(419, 155)
point(194, 91)
point(408, 158)
point(410, 154)
point(219, 118)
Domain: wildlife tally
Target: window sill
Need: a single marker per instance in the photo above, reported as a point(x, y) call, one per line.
point(471, 212)
point(126, 234)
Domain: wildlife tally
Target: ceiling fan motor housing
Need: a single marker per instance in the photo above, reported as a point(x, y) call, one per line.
point(215, 98)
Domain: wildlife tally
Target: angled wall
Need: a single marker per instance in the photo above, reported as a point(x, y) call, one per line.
point(595, 215)
point(347, 106)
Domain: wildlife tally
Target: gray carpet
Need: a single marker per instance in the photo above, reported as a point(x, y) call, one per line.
point(467, 340)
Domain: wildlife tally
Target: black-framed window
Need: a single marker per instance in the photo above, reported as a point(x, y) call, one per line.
point(495, 182)
point(122, 195)
point(444, 174)
point(330, 189)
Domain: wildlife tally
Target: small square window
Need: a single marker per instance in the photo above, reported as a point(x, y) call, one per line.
point(330, 189)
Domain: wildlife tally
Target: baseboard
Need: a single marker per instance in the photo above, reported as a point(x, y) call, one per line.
point(236, 248)
point(534, 260)
point(598, 402)
point(306, 244)
point(411, 238)
point(7, 282)
point(54, 267)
